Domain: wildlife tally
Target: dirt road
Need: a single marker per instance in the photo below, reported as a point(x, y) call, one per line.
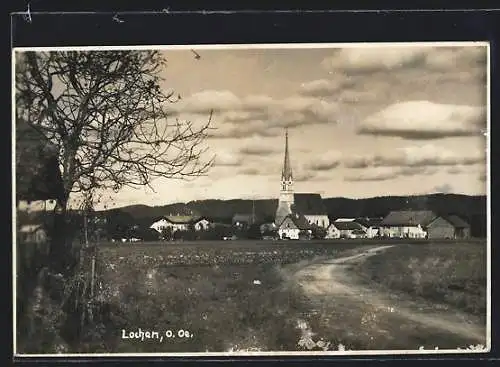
point(347, 310)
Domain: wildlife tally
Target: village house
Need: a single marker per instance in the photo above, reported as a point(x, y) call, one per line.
point(417, 224)
point(181, 223)
point(32, 233)
point(347, 229)
point(371, 226)
point(294, 227)
point(406, 224)
point(243, 221)
point(332, 232)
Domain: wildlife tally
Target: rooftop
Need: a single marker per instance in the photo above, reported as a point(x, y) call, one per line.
point(299, 220)
point(347, 226)
point(409, 218)
point(457, 221)
point(369, 222)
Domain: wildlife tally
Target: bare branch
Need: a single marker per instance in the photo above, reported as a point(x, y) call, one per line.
point(109, 118)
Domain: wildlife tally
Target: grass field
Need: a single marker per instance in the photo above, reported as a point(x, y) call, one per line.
point(444, 274)
point(233, 295)
point(230, 295)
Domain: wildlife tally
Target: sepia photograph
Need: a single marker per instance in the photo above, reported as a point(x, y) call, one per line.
point(267, 199)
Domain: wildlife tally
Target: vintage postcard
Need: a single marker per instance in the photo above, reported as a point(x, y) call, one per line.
point(278, 199)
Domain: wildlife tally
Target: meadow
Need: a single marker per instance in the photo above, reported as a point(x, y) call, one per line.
point(234, 295)
point(230, 295)
point(445, 274)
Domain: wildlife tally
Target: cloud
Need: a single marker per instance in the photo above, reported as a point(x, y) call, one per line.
point(356, 96)
point(325, 87)
point(425, 120)
point(258, 115)
point(324, 165)
point(203, 102)
point(326, 162)
point(416, 171)
point(250, 171)
point(467, 57)
point(417, 156)
point(377, 174)
point(435, 155)
point(258, 150)
point(302, 176)
point(251, 128)
point(227, 159)
point(371, 59)
point(455, 170)
point(389, 173)
point(444, 189)
point(355, 60)
point(262, 168)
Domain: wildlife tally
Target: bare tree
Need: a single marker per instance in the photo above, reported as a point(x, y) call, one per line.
point(107, 114)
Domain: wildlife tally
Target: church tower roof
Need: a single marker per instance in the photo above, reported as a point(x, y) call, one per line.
point(286, 174)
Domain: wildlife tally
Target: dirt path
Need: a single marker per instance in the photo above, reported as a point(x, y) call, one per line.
point(331, 288)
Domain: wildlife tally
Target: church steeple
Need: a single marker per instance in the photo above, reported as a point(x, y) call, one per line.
point(286, 198)
point(286, 174)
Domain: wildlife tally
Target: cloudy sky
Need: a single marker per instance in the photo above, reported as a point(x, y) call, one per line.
point(363, 121)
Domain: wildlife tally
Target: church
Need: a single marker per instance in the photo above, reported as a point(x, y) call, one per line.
point(294, 205)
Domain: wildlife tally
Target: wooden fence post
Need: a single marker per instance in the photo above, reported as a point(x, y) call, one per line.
point(92, 274)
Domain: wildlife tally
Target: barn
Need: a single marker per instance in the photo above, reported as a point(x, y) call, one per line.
point(440, 228)
point(462, 228)
point(416, 224)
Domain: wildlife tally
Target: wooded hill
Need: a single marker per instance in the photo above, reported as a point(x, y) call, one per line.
point(470, 208)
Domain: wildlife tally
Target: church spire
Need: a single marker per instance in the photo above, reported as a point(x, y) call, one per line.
point(286, 174)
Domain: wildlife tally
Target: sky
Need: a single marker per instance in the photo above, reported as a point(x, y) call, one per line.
point(364, 120)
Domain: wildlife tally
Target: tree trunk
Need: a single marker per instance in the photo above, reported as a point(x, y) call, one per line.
point(60, 249)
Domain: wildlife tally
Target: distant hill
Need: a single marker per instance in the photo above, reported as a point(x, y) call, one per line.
point(471, 208)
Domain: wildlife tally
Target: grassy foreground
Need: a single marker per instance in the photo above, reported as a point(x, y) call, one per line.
point(446, 274)
point(228, 297)
point(235, 296)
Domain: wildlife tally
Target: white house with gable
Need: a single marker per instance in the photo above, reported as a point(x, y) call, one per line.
point(332, 232)
point(181, 223)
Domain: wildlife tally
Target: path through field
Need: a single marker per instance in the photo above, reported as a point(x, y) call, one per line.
point(378, 319)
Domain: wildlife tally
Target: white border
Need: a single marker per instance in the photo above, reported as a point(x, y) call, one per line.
point(266, 46)
point(488, 199)
point(14, 202)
